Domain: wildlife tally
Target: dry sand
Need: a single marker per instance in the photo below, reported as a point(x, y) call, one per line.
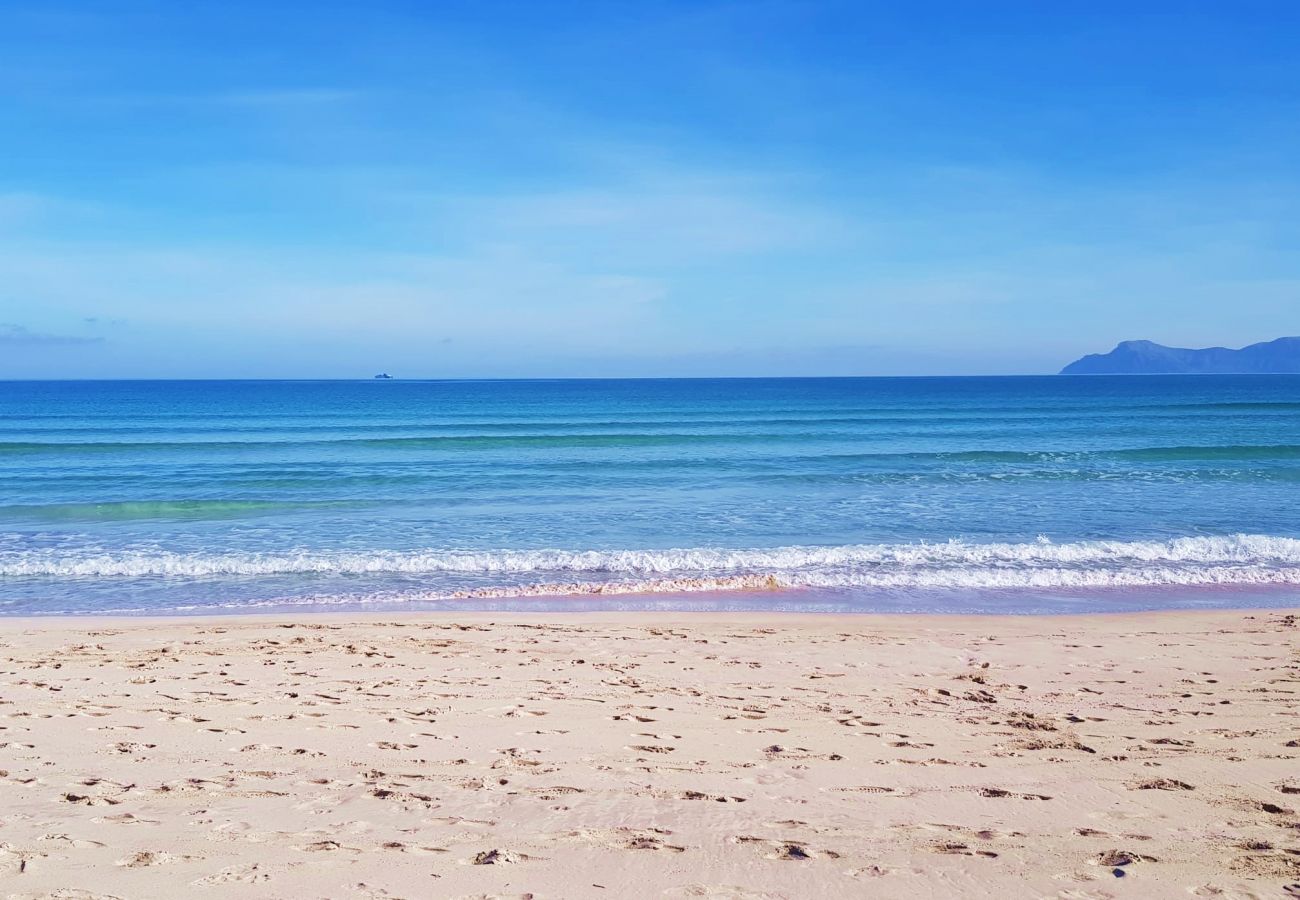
point(627, 755)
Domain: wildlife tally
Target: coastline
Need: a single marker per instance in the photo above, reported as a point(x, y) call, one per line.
point(763, 601)
point(905, 621)
point(625, 754)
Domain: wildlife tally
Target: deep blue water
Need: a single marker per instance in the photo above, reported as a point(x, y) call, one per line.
point(1031, 493)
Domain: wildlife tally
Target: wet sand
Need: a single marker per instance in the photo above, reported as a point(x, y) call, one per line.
point(669, 755)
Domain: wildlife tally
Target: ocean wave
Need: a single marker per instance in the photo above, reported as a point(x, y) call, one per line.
point(1200, 560)
point(943, 579)
point(650, 439)
point(940, 579)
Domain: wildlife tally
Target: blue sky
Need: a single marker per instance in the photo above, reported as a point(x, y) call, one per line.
point(504, 189)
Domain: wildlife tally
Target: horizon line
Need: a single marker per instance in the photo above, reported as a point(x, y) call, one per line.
point(425, 380)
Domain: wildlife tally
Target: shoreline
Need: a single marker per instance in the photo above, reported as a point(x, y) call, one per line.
point(620, 617)
point(782, 603)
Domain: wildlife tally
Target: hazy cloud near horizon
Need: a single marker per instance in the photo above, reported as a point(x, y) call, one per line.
point(17, 335)
point(495, 189)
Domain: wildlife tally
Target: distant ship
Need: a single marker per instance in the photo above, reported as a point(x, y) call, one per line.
point(384, 376)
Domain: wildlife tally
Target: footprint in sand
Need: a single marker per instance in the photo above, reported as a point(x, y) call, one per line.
point(1162, 784)
point(325, 846)
point(999, 792)
point(1118, 858)
point(498, 857)
point(791, 851)
point(250, 874)
point(124, 819)
point(86, 800)
point(716, 798)
point(142, 858)
point(873, 871)
point(650, 842)
point(721, 892)
point(953, 848)
point(864, 789)
point(550, 793)
point(624, 838)
point(1270, 808)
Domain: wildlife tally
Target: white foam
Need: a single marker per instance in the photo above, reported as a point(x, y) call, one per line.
point(1202, 560)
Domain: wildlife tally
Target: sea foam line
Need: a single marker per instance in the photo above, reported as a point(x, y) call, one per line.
point(944, 579)
point(757, 584)
point(1041, 563)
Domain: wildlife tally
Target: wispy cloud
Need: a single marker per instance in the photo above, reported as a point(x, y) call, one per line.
point(12, 335)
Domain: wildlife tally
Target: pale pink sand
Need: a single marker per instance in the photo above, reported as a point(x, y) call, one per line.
point(630, 755)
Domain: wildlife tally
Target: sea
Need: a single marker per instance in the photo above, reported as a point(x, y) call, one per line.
point(959, 495)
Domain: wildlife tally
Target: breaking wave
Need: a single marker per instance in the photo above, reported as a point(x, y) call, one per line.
point(1240, 559)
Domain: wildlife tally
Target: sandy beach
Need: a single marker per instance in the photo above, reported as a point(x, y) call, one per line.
point(625, 755)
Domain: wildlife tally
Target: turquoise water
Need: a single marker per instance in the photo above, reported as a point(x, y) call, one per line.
point(954, 494)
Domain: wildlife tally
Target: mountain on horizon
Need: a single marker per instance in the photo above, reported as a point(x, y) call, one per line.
point(1281, 356)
